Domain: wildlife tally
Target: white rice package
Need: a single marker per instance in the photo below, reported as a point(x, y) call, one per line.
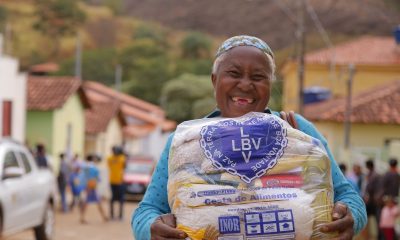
point(252, 177)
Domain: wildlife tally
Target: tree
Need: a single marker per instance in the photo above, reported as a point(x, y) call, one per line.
point(151, 32)
point(58, 18)
point(196, 45)
point(275, 101)
point(193, 66)
point(97, 65)
point(187, 97)
point(146, 69)
point(3, 18)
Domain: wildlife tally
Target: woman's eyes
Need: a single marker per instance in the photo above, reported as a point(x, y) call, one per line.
point(254, 77)
point(258, 77)
point(234, 74)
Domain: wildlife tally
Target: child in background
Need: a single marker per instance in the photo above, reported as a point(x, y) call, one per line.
point(388, 217)
point(77, 184)
point(92, 176)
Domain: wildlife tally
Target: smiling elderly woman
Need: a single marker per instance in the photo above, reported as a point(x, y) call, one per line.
point(242, 73)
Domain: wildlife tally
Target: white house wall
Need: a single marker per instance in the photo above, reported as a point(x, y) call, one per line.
point(13, 88)
point(152, 145)
point(155, 143)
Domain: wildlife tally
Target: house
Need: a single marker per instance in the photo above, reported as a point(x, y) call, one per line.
point(375, 122)
point(104, 127)
point(56, 114)
point(376, 61)
point(12, 99)
point(146, 130)
point(375, 125)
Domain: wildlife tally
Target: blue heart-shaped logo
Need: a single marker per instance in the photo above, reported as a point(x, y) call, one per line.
point(246, 147)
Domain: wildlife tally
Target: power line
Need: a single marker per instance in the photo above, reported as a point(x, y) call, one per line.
point(324, 35)
point(318, 24)
point(301, 37)
point(287, 11)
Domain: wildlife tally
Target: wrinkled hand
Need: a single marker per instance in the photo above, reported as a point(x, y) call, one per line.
point(342, 222)
point(164, 227)
point(290, 118)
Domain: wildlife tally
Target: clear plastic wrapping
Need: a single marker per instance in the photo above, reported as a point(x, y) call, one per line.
point(252, 177)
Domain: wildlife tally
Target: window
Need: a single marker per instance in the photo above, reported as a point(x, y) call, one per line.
point(25, 161)
point(7, 118)
point(10, 160)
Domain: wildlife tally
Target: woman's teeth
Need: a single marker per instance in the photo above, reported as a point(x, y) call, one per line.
point(242, 100)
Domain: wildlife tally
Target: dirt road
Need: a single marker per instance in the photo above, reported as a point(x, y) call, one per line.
point(68, 226)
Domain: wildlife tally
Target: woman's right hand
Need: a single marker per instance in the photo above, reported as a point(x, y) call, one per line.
point(164, 227)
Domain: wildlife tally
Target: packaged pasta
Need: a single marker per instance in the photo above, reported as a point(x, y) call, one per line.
point(251, 177)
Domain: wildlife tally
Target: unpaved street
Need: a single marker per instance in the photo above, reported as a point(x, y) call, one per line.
point(68, 226)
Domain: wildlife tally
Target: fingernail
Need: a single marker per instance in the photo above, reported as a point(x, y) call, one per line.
point(336, 215)
point(182, 235)
point(324, 229)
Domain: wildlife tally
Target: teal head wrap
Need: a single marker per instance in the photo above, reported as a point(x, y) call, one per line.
point(244, 40)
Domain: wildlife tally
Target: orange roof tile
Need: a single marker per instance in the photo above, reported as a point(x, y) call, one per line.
point(98, 90)
point(130, 106)
point(44, 68)
point(365, 50)
point(50, 92)
point(138, 130)
point(99, 116)
point(380, 105)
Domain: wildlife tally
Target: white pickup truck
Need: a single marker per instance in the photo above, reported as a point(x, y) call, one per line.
point(27, 193)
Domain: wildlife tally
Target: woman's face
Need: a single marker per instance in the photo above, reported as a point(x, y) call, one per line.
point(242, 81)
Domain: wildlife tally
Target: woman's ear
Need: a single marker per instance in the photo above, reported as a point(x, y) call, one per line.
point(214, 79)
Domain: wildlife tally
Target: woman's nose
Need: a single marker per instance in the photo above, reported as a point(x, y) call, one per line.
point(245, 84)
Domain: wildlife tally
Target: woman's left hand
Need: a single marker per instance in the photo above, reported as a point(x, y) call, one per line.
point(342, 219)
point(290, 118)
point(342, 222)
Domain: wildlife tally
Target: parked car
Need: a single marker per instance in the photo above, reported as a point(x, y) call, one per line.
point(137, 175)
point(26, 193)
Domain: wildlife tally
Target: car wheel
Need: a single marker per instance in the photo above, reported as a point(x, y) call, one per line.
point(45, 230)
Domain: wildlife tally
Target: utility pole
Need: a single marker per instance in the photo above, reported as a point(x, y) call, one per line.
point(301, 38)
point(347, 119)
point(7, 40)
point(1, 44)
point(118, 76)
point(78, 57)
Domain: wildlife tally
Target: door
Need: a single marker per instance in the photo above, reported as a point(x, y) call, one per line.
point(7, 119)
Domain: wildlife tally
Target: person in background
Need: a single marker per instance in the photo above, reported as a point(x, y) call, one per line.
point(75, 162)
point(62, 180)
point(242, 74)
point(389, 186)
point(357, 177)
point(372, 184)
point(41, 157)
point(116, 166)
point(76, 182)
point(389, 214)
point(343, 168)
point(92, 177)
point(391, 180)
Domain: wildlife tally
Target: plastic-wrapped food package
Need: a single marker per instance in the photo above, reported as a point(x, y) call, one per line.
point(251, 177)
